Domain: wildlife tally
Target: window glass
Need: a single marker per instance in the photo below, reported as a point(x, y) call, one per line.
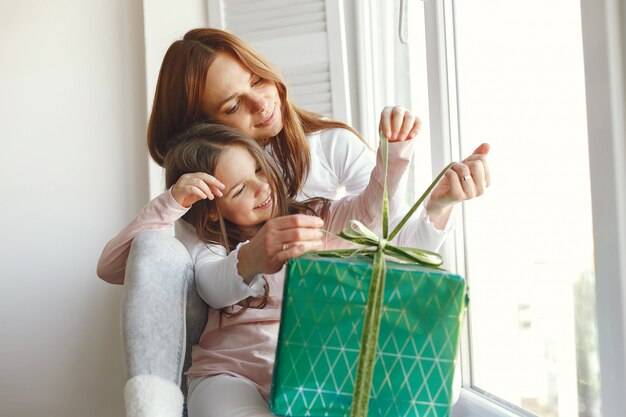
point(528, 241)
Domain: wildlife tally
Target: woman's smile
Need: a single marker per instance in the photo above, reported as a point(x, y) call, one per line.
point(269, 119)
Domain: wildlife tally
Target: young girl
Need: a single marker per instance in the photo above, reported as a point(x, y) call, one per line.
point(231, 369)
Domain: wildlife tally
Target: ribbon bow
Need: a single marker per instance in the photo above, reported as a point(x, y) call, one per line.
point(357, 232)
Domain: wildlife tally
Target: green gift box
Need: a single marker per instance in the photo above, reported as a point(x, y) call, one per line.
point(365, 336)
point(321, 331)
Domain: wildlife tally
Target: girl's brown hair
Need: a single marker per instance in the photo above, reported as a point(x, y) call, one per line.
point(199, 149)
point(181, 87)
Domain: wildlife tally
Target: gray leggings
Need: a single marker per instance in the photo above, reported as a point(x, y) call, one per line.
point(162, 314)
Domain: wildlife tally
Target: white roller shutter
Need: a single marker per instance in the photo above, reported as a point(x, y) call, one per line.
point(304, 39)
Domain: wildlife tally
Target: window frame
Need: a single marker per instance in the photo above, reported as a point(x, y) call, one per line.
point(604, 45)
point(604, 49)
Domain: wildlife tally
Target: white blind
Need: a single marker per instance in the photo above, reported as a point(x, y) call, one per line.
point(303, 39)
point(271, 19)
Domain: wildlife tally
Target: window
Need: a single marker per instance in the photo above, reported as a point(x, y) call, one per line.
point(528, 244)
point(513, 74)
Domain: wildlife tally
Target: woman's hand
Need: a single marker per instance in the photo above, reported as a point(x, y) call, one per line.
point(279, 240)
point(195, 187)
point(463, 181)
point(398, 124)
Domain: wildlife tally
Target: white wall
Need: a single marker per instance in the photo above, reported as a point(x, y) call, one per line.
point(164, 22)
point(73, 170)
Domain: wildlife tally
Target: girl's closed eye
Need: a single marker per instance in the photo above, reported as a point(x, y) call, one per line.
point(239, 191)
point(257, 82)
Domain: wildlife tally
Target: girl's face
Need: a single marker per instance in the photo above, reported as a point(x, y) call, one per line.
point(247, 199)
point(238, 98)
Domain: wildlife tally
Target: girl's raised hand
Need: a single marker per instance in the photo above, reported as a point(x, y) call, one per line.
point(398, 124)
point(195, 187)
point(279, 240)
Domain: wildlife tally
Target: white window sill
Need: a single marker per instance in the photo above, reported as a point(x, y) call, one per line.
point(473, 404)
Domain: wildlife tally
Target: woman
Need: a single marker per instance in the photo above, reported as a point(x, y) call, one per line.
point(213, 76)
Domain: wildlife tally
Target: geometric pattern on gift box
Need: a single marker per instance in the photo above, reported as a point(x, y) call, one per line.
point(320, 336)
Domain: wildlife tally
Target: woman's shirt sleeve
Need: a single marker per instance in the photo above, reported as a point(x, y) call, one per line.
point(420, 232)
point(365, 205)
point(160, 213)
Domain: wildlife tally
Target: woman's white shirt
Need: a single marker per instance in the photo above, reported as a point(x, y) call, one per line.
point(340, 164)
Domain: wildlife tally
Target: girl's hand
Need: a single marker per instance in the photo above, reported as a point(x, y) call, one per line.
point(463, 181)
point(279, 240)
point(195, 187)
point(398, 124)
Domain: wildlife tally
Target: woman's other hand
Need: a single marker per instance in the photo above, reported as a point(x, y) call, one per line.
point(195, 187)
point(279, 240)
point(463, 181)
point(398, 124)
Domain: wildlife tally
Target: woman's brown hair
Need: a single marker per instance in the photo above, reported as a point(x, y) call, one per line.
point(181, 86)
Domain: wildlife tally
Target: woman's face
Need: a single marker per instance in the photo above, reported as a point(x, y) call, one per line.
point(238, 98)
point(247, 199)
